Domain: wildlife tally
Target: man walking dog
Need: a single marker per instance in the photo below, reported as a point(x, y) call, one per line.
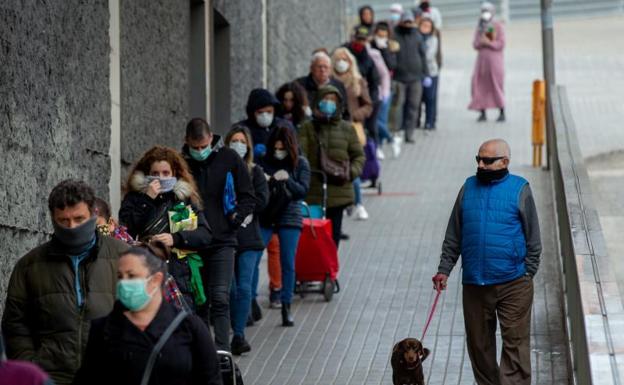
point(494, 227)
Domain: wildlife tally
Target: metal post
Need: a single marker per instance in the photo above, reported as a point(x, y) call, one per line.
point(548, 54)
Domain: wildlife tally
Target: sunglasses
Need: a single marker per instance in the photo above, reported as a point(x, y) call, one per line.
point(488, 160)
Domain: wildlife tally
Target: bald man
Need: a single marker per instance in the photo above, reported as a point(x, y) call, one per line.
point(495, 229)
point(320, 75)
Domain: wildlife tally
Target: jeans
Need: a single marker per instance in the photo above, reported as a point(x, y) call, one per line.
point(217, 275)
point(382, 121)
point(288, 240)
point(408, 103)
point(357, 189)
point(240, 292)
point(430, 96)
point(334, 214)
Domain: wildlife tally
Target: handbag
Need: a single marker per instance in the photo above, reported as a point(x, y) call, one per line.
point(279, 198)
point(338, 171)
point(158, 225)
point(159, 345)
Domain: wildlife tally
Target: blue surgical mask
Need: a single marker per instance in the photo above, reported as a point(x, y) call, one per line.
point(327, 107)
point(395, 17)
point(166, 184)
point(200, 155)
point(132, 293)
point(240, 148)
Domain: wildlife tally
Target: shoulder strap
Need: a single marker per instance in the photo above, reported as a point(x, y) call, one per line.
point(159, 345)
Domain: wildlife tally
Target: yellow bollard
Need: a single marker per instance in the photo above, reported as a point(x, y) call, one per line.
point(539, 119)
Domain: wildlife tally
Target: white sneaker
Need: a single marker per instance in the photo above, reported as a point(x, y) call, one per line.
point(360, 213)
point(380, 154)
point(396, 148)
point(398, 139)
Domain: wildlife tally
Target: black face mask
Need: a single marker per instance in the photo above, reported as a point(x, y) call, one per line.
point(405, 30)
point(489, 176)
point(76, 240)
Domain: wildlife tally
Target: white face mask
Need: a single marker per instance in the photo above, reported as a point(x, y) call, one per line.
point(381, 42)
point(264, 119)
point(281, 154)
point(341, 66)
point(486, 16)
point(240, 148)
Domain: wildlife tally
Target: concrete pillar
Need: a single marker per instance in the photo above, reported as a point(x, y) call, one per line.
point(114, 185)
point(265, 45)
point(201, 27)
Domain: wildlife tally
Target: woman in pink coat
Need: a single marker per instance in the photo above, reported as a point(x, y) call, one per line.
point(489, 71)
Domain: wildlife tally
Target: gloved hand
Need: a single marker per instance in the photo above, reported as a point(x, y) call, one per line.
point(281, 175)
point(439, 281)
point(427, 82)
point(259, 150)
point(247, 220)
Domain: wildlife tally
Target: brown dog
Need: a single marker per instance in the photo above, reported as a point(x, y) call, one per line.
point(407, 358)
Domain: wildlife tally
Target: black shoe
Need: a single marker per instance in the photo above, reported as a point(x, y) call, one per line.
point(256, 312)
point(409, 140)
point(344, 237)
point(239, 345)
point(287, 318)
point(482, 117)
point(501, 117)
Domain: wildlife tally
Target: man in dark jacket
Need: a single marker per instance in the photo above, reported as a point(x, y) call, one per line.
point(320, 75)
point(495, 229)
point(223, 181)
point(410, 73)
point(59, 287)
point(261, 120)
point(367, 68)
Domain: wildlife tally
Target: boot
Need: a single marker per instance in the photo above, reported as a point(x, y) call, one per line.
point(287, 318)
point(482, 117)
point(256, 312)
point(239, 345)
point(501, 117)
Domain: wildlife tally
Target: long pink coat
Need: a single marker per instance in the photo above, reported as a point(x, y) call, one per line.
point(489, 71)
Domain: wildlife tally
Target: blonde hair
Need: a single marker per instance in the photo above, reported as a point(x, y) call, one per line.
point(352, 78)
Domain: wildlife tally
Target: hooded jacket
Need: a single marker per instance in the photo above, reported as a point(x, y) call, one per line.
point(42, 322)
point(342, 143)
point(411, 58)
point(260, 98)
point(210, 175)
point(312, 88)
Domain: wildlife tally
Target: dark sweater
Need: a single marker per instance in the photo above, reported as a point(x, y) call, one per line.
point(249, 237)
point(210, 176)
point(451, 248)
point(117, 351)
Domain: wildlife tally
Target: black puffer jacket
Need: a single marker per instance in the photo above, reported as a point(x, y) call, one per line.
point(411, 58)
point(297, 184)
point(249, 237)
point(118, 351)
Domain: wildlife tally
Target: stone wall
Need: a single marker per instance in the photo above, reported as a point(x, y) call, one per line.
point(54, 113)
point(154, 75)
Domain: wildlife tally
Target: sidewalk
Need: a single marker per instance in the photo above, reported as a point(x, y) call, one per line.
point(387, 265)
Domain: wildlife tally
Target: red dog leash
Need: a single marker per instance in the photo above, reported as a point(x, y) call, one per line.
point(431, 312)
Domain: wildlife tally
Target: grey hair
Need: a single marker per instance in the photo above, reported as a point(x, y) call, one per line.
point(320, 55)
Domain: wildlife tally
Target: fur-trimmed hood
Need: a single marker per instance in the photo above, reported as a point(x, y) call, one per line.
point(182, 189)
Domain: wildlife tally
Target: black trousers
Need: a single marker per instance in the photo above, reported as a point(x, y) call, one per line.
point(334, 214)
point(217, 275)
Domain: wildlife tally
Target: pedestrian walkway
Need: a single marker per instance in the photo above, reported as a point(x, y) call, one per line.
point(387, 265)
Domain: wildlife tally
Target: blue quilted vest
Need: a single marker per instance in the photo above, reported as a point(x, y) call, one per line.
point(493, 246)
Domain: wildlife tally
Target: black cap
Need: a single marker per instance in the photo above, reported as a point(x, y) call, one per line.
point(361, 32)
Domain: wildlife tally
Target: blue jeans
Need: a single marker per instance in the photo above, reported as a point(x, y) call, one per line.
point(357, 189)
point(240, 292)
point(288, 240)
point(382, 121)
point(430, 99)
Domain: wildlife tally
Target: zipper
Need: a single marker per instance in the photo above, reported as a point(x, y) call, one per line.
point(81, 314)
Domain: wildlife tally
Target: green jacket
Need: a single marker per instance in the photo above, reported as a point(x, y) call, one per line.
point(342, 143)
point(42, 322)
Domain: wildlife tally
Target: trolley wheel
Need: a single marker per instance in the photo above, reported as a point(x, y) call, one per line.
point(328, 289)
point(379, 189)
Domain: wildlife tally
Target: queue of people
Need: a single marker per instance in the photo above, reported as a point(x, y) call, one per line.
point(194, 223)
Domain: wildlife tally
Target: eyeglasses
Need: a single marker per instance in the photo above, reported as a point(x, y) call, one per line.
point(488, 160)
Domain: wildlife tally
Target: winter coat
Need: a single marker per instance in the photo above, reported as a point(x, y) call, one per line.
point(385, 79)
point(312, 88)
point(368, 70)
point(342, 143)
point(432, 50)
point(411, 58)
point(138, 210)
point(298, 184)
point(118, 351)
point(210, 176)
point(360, 105)
point(389, 53)
point(249, 237)
point(42, 322)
